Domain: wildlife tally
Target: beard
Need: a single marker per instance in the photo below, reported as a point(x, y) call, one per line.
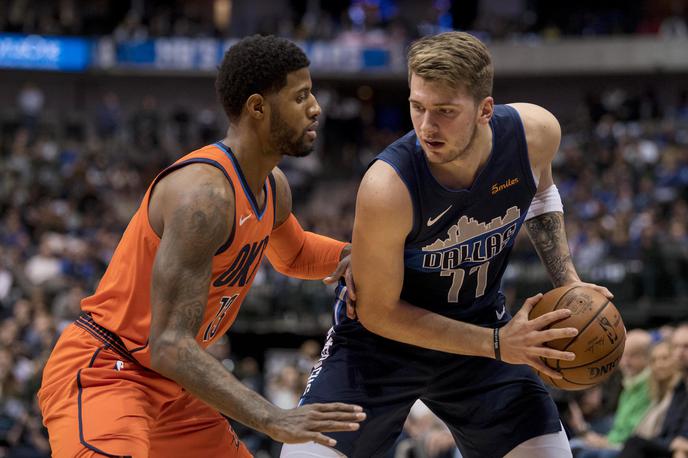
point(457, 152)
point(282, 137)
point(471, 141)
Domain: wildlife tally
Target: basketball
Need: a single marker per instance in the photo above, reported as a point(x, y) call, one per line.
point(599, 343)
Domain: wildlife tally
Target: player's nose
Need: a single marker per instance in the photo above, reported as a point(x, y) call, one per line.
point(427, 125)
point(314, 110)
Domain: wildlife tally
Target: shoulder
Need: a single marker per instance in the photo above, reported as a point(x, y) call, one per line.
point(400, 155)
point(196, 181)
point(543, 132)
point(382, 180)
point(384, 196)
point(407, 143)
point(282, 196)
point(196, 190)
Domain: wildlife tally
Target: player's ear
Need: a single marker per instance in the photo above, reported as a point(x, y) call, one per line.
point(255, 106)
point(485, 110)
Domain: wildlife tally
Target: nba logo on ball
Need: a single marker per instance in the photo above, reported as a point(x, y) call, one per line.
point(599, 343)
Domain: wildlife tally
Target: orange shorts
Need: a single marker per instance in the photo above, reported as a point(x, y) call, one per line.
point(96, 402)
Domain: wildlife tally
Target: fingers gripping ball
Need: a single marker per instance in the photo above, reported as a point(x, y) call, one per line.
point(599, 343)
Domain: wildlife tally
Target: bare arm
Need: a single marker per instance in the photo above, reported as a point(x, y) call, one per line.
point(196, 206)
point(383, 220)
point(196, 224)
point(548, 235)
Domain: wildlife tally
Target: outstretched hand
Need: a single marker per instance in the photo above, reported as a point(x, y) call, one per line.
point(522, 340)
point(307, 423)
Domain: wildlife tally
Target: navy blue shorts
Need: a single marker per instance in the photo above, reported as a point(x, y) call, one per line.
point(489, 406)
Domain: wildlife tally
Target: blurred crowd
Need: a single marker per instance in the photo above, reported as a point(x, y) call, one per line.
point(643, 411)
point(373, 21)
point(69, 182)
point(622, 171)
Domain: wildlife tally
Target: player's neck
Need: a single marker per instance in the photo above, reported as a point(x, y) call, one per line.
point(251, 155)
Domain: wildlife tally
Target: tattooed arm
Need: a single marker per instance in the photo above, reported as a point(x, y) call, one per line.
point(193, 210)
point(547, 233)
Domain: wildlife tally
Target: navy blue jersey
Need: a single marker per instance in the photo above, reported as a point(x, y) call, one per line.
point(454, 259)
point(457, 251)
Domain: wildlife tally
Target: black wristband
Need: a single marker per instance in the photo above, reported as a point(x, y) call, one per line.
point(495, 343)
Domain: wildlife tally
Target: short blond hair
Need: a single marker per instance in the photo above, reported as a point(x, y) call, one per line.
point(456, 58)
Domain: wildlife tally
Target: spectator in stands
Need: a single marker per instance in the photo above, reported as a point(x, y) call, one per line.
point(633, 402)
point(672, 439)
point(583, 413)
point(146, 124)
point(285, 388)
point(108, 116)
point(30, 101)
point(45, 267)
point(664, 376)
point(674, 25)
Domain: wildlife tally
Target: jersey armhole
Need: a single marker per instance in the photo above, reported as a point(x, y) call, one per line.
point(178, 166)
point(524, 155)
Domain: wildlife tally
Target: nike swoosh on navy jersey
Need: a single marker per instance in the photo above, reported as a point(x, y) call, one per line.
point(432, 221)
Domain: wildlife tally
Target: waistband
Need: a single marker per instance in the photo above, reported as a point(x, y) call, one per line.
point(109, 338)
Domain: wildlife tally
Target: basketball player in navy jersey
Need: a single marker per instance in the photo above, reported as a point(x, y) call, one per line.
point(436, 217)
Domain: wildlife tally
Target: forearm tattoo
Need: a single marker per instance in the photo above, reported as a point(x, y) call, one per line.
point(548, 235)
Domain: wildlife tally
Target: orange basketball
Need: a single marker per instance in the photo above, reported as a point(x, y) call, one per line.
point(599, 343)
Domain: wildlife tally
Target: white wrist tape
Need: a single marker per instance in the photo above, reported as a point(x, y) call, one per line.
point(545, 201)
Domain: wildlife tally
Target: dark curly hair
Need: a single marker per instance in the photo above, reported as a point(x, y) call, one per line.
point(255, 65)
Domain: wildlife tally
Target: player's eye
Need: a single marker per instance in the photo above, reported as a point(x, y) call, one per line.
point(418, 108)
point(446, 111)
point(302, 96)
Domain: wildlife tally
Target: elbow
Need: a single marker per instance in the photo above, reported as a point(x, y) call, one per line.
point(164, 354)
point(371, 317)
point(281, 266)
point(296, 272)
point(158, 356)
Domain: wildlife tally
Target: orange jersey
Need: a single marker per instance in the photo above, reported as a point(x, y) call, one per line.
point(122, 301)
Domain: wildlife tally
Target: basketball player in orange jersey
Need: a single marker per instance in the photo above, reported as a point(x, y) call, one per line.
point(131, 376)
